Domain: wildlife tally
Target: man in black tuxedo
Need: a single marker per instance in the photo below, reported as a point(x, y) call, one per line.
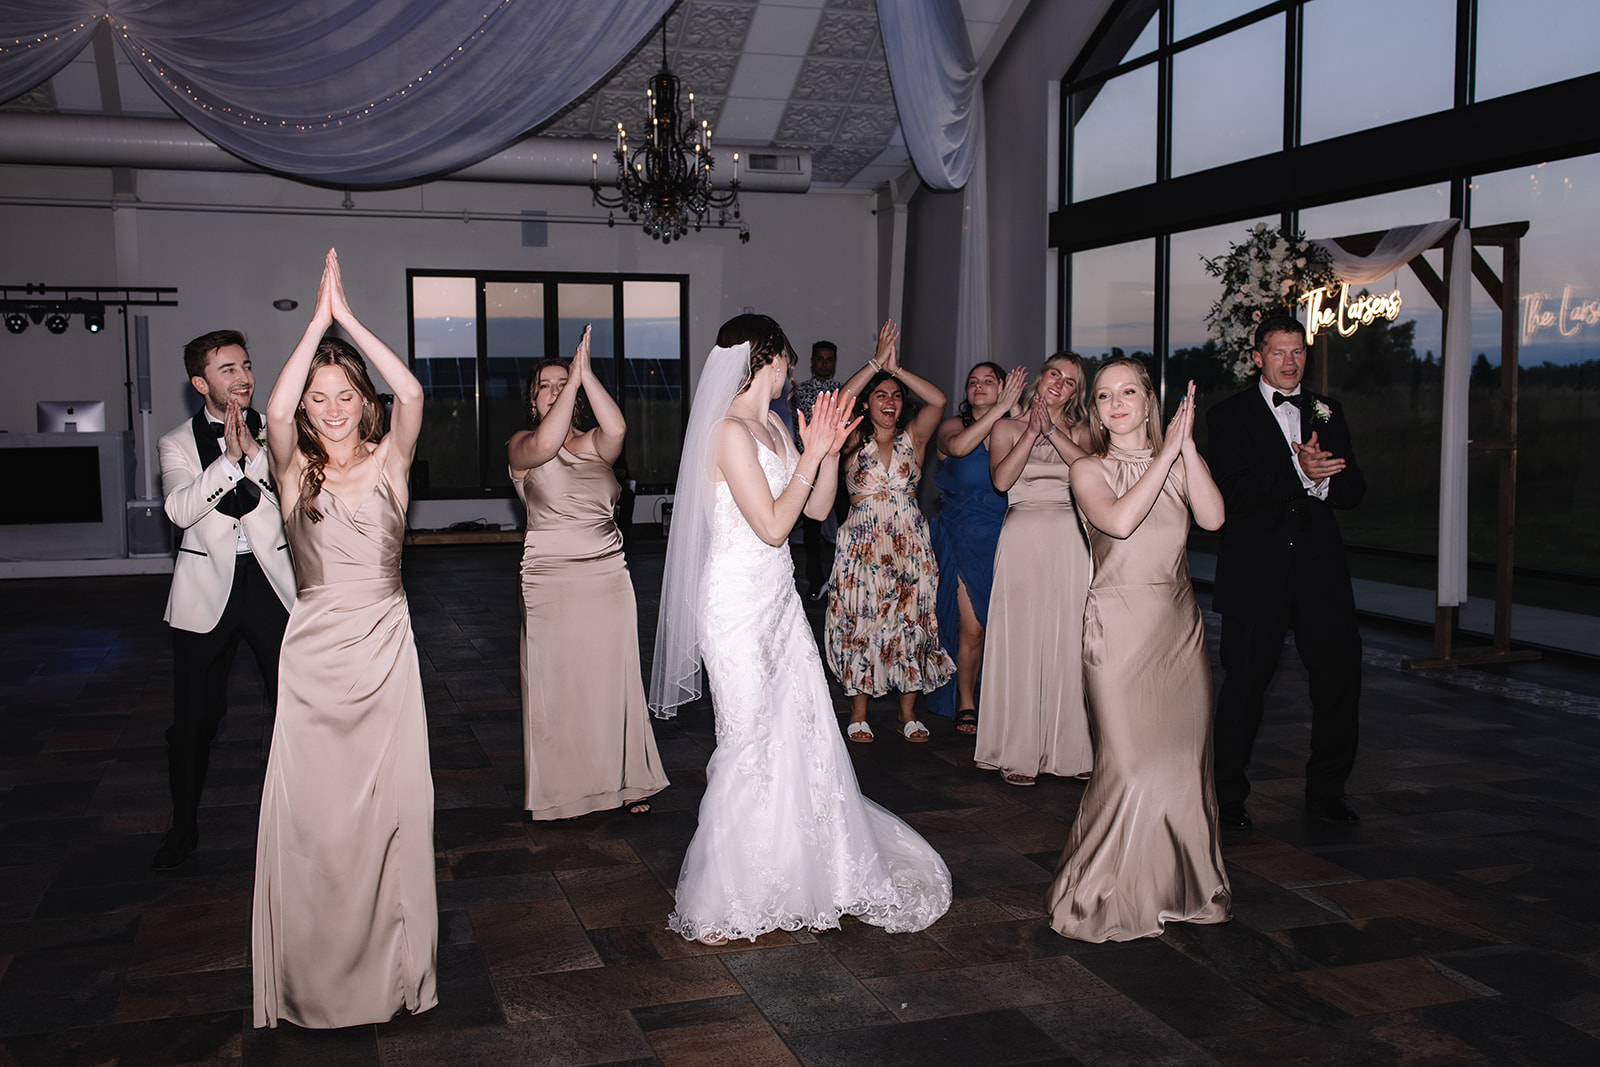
point(1283, 459)
point(232, 579)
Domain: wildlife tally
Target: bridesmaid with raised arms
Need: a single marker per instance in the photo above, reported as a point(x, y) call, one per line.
point(966, 531)
point(1033, 718)
point(1143, 850)
point(586, 738)
point(345, 927)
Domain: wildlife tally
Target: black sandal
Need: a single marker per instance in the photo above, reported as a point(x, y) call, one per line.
point(967, 717)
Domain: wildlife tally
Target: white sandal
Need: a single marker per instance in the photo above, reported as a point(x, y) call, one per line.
point(859, 732)
point(914, 727)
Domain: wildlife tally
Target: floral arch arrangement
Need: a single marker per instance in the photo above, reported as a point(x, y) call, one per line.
point(1262, 276)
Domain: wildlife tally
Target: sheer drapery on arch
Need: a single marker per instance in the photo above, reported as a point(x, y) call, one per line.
point(939, 94)
point(1395, 249)
point(344, 92)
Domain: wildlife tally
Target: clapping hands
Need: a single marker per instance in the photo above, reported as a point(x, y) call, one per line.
point(1317, 463)
point(1011, 392)
point(1180, 430)
point(830, 423)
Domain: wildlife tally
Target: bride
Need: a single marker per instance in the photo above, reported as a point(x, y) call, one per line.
point(786, 839)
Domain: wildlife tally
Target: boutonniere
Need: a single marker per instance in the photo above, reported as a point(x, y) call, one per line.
point(261, 435)
point(1320, 412)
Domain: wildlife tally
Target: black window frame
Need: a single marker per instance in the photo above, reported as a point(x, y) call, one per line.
point(491, 454)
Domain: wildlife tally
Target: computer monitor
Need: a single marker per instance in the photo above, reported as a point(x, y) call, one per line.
point(72, 416)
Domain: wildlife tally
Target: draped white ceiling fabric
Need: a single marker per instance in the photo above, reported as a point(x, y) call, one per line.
point(344, 92)
point(938, 92)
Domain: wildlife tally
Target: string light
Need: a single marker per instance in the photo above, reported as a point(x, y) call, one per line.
point(244, 117)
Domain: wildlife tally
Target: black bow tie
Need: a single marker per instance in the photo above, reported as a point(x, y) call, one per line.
point(1285, 398)
point(217, 428)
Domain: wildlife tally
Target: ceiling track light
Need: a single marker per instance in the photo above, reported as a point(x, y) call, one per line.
point(56, 322)
point(16, 321)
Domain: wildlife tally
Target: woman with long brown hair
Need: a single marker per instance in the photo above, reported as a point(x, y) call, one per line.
point(1033, 719)
point(966, 531)
point(345, 925)
point(1144, 849)
point(586, 738)
point(881, 631)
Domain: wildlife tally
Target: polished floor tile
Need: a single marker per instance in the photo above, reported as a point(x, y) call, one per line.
point(1455, 924)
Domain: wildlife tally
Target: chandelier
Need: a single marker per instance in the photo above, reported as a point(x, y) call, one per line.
point(665, 186)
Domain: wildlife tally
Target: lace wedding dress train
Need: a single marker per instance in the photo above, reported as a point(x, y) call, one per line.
point(786, 840)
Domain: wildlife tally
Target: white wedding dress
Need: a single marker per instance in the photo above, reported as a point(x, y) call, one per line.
point(786, 840)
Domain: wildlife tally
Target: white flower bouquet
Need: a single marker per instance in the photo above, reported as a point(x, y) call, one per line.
point(1262, 276)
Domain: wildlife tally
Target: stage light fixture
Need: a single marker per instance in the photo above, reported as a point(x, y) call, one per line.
point(56, 322)
point(94, 318)
point(16, 321)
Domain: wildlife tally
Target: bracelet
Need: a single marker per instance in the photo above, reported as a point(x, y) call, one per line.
point(872, 361)
point(802, 478)
point(1046, 435)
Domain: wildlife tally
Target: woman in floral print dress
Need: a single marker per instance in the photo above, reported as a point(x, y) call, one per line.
point(881, 630)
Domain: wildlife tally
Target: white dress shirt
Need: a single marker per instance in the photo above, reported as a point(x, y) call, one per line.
point(1288, 417)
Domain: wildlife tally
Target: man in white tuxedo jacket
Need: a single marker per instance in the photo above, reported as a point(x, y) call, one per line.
point(233, 577)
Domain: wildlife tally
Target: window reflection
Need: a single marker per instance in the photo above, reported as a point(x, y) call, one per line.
point(1356, 79)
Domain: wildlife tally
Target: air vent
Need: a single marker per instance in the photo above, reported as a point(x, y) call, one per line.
point(771, 161)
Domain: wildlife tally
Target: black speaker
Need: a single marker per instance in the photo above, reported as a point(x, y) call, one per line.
point(149, 531)
point(141, 356)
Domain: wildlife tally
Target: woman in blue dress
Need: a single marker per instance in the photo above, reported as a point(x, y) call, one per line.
point(966, 531)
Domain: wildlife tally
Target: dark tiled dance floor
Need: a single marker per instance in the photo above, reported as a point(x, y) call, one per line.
point(1455, 925)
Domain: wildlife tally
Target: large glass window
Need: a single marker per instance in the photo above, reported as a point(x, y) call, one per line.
point(1308, 71)
point(475, 381)
point(1114, 134)
point(1558, 430)
point(1356, 78)
point(1526, 43)
point(1192, 16)
point(1227, 98)
point(444, 357)
point(1113, 300)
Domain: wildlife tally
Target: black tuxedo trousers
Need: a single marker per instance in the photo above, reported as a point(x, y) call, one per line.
point(1281, 567)
point(201, 663)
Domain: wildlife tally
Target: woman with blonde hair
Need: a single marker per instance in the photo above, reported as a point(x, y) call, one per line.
point(1144, 849)
point(586, 738)
point(1033, 719)
point(344, 929)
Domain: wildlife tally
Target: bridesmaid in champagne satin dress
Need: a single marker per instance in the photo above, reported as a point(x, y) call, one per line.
point(1143, 850)
point(344, 929)
point(1033, 719)
point(586, 738)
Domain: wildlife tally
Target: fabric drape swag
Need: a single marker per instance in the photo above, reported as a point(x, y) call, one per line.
point(343, 92)
point(1394, 250)
point(938, 91)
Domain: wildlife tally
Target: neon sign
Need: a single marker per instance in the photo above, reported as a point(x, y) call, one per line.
point(1571, 318)
point(1347, 315)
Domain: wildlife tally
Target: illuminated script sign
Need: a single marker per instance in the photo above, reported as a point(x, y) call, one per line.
point(1347, 315)
point(1572, 316)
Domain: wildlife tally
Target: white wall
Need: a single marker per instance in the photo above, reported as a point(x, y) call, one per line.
point(811, 264)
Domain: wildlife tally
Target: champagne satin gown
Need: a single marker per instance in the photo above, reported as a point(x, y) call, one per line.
point(586, 738)
point(1143, 850)
point(1033, 720)
point(345, 926)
